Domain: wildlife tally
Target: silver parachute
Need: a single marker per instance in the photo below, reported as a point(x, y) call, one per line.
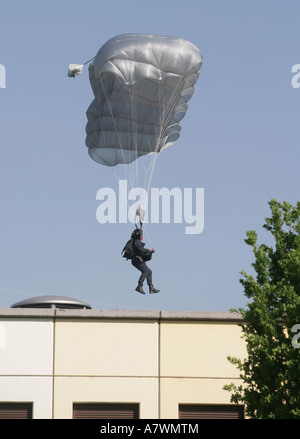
point(142, 84)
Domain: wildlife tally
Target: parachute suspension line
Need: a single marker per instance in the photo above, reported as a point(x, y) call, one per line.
point(148, 173)
point(89, 60)
point(165, 114)
point(116, 130)
point(148, 236)
point(124, 195)
point(151, 171)
point(155, 154)
point(162, 109)
point(172, 100)
point(132, 171)
point(134, 164)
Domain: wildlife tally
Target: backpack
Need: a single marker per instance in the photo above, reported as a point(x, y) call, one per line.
point(127, 251)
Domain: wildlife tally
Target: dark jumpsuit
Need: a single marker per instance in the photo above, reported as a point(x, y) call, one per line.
point(138, 261)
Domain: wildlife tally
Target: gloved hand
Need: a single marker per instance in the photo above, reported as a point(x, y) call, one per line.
point(153, 250)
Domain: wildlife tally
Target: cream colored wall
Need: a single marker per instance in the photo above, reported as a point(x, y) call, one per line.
point(194, 365)
point(175, 391)
point(37, 390)
point(199, 349)
point(143, 391)
point(26, 363)
point(155, 363)
point(118, 361)
point(106, 361)
point(109, 348)
point(26, 347)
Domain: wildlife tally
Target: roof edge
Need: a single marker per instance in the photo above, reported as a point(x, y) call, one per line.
point(58, 313)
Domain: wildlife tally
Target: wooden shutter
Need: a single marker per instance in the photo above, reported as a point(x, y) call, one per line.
point(199, 411)
point(14, 410)
point(105, 411)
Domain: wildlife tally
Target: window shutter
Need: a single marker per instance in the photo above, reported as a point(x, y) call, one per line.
point(105, 411)
point(199, 411)
point(14, 410)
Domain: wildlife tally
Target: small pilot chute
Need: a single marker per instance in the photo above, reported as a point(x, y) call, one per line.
point(75, 69)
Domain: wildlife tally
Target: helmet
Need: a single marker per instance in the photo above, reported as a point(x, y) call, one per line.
point(137, 233)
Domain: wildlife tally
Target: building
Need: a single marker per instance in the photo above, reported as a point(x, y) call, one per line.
point(61, 359)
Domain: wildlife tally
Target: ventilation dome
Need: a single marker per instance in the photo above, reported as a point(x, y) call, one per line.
point(52, 302)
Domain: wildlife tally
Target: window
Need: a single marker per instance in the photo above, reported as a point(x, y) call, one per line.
point(105, 411)
point(210, 411)
point(15, 410)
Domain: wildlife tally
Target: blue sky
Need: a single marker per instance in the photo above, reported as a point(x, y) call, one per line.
point(239, 141)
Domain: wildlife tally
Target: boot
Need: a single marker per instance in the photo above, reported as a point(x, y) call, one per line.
point(139, 289)
point(153, 290)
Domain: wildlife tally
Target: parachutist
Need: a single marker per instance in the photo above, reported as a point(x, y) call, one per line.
point(136, 251)
point(141, 255)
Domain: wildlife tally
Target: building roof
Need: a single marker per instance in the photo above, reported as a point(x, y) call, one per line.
point(118, 314)
point(66, 307)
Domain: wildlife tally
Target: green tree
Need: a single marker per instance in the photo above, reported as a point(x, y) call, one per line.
point(270, 374)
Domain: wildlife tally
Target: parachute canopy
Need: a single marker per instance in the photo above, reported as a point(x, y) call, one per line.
point(142, 84)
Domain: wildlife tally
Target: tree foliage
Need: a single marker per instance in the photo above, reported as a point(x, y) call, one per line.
point(271, 372)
